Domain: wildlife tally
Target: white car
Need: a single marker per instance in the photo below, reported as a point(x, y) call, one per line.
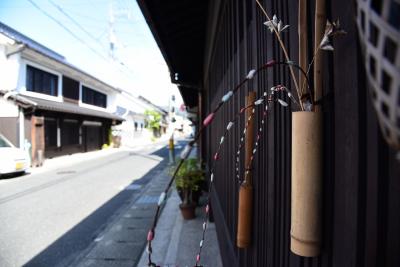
point(12, 159)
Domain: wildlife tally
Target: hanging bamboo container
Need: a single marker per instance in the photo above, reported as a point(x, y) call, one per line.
point(245, 215)
point(306, 183)
point(245, 207)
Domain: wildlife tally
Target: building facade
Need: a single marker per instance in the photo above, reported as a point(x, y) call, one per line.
point(132, 131)
point(210, 47)
point(66, 110)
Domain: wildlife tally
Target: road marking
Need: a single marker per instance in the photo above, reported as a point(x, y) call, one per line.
point(98, 239)
point(133, 187)
point(147, 200)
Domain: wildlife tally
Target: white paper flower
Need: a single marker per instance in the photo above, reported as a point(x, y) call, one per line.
point(259, 101)
point(282, 27)
point(326, 44)
point(275, 24)
point(283, 103)
point(307, 105)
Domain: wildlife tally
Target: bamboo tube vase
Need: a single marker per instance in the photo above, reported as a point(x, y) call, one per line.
point(245, 215)
point(305, 233)
point(245, 207)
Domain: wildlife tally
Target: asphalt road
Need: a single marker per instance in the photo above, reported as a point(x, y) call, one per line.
point(48, 218)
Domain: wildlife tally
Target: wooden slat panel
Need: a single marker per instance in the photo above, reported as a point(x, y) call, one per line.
point(360, 209)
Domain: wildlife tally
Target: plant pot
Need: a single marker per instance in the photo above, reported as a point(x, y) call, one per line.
point(188, 211)
point(306, 183)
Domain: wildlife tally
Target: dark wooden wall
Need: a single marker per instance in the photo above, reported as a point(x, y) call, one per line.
point(361, 204)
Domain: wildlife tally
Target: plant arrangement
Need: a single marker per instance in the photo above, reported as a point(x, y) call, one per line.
point(188, 182)
point(307, 145)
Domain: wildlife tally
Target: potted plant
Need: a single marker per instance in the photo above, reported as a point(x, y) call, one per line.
point(187, 181)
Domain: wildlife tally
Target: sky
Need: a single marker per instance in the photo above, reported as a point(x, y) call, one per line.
point(81, 31)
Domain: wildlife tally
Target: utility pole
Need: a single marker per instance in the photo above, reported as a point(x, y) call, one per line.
point(114, 13)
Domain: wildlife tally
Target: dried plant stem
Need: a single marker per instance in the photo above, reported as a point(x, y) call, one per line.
point(320, 22)
point(283, 47)
point(316, 51)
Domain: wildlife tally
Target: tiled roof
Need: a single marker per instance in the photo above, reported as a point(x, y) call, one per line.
point(19, 37)
point(66, 107)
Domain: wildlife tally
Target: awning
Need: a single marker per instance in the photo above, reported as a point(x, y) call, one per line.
point(179, 28)
point(20, 100)
point(66, 107)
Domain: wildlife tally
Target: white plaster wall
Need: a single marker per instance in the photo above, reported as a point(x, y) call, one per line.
point(9, 69)
point(111, 102)
point(8, 108)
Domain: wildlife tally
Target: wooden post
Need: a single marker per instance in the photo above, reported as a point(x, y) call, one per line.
point(38, 146)
point(246, 189)
point(320, 22)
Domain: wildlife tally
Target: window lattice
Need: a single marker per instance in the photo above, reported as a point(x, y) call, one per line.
point(380, 38)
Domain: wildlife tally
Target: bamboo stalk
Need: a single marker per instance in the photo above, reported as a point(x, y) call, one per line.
point(303, 43)
point(307, 146)
point(246, 189)
point(250, 134)
point(320, 22)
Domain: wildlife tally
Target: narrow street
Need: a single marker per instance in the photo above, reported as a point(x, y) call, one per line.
point(49, 217)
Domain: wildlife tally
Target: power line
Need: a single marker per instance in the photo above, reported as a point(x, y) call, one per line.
point(78, 38)
point(75, 22)
point(65, 28)
point(85, 31)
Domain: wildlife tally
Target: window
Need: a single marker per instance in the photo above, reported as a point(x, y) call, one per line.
point(70, 88)
point(40, 81)
point(92, 97)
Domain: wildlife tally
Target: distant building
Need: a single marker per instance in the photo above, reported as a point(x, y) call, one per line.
point(132, 130)
point(162, 111)
point(56, 107)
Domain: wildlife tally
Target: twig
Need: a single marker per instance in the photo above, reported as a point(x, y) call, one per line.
point(283, 47)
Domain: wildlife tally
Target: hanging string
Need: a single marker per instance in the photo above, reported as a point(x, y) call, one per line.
point(207, 121)
point(267, 99)
point(215, 160)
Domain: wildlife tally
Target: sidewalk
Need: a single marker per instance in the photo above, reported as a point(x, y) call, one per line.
point(177, 241)
point(122, 243)
point(68, 160)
